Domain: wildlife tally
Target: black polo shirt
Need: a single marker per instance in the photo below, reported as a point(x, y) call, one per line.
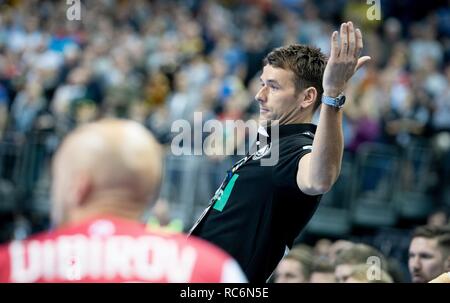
point(262, 210)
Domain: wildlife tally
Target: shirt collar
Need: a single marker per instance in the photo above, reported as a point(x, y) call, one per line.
point(289, 129)
point(262, 131)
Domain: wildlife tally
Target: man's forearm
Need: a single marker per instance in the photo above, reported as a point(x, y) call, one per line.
point(327, 150)
point(319, 170)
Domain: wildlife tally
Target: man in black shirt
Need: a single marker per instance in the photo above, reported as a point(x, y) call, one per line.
point(259, 210)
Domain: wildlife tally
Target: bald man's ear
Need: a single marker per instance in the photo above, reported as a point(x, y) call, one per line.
point(82, 189)
point(308, 97)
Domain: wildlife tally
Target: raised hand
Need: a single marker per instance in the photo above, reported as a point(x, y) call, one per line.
point(344, 59)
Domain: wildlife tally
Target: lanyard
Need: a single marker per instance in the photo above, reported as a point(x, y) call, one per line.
point(219, 191)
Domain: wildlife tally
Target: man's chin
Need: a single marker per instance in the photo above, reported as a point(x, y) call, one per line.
point(418, 279)
point(263, 119)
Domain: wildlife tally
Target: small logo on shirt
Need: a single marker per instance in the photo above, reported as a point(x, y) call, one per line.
point(262, 152)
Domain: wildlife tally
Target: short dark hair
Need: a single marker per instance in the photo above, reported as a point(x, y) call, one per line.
point(306, 62)
point(440, 233)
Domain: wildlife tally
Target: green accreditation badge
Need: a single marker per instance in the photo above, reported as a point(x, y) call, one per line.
point(225, 194)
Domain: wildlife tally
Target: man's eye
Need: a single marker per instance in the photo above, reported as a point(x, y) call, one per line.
point(426, 256)
point(274, 87)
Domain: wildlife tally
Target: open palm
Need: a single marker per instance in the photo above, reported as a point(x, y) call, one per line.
point(344, 59)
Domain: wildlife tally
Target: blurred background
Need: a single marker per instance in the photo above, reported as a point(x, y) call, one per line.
point(159, 61)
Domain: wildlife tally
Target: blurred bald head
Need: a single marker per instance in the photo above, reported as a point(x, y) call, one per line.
point(107, 167)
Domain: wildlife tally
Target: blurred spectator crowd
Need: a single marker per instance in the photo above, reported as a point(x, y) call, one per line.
point(159, 61)
point(344, 261)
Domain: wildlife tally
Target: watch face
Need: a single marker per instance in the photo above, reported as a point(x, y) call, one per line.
point(336, 102)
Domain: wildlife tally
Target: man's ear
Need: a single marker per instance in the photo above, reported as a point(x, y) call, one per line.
point(308, 97)
point(82, 189)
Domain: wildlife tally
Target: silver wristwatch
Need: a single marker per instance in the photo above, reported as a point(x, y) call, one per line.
point(337, 102)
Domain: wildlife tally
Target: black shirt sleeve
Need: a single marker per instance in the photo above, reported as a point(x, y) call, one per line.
point(291, 151)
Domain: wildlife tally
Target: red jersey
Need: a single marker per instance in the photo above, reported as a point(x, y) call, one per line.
point(110, 249)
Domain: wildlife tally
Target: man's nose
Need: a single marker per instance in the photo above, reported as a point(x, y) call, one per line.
point(261, 96)
point(415, 263)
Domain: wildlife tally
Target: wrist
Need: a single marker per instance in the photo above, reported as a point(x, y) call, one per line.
point(336, 102)
point(333, 93)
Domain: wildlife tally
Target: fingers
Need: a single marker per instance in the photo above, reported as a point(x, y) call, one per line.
point(361, 62)
point(359, 43)
point(344, 40)
point(351, 39)
point(334, 45)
